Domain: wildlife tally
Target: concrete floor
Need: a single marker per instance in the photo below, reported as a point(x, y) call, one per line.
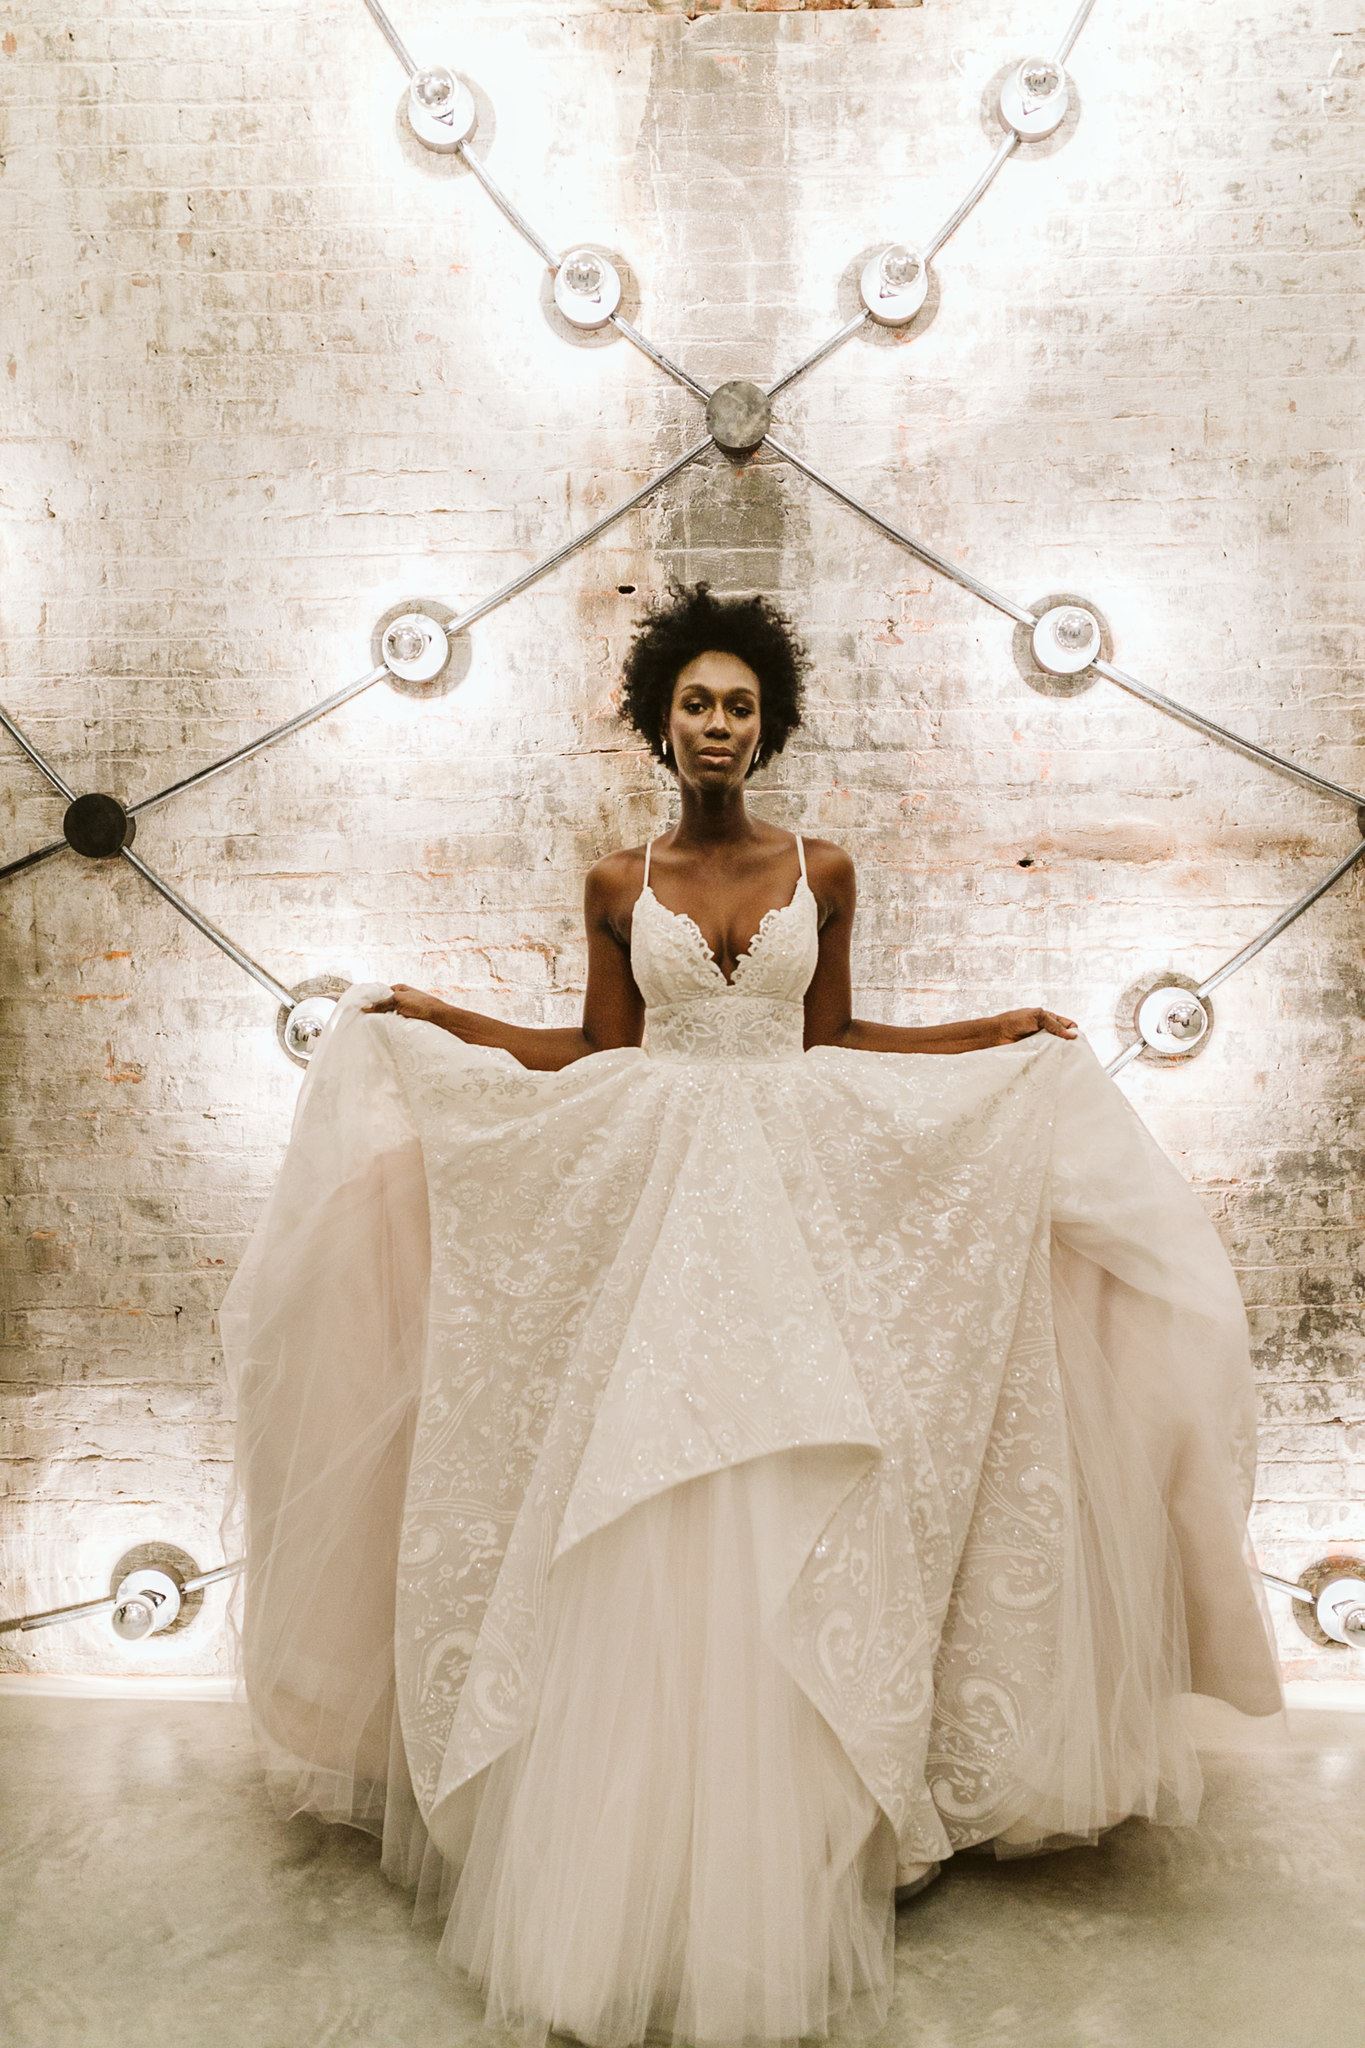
point(150, 1900)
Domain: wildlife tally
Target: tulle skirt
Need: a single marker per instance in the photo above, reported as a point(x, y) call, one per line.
point(679, 1848)
point(671, 1536)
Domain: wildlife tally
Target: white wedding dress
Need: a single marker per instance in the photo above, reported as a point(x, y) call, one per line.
point(688, 1495)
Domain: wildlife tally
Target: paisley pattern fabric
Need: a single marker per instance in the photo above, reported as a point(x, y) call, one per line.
point(687, 1495)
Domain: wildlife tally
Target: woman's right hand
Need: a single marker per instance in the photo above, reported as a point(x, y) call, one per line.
point(405, 1001)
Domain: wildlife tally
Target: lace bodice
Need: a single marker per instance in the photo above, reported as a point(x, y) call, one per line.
point(692, 1011)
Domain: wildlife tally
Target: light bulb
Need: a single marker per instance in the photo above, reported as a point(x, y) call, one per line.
point(406, 641)
point(434, 88)
point(1184, 1020)
point(305, 1024)
point(1034, 98)
point(899, 269)
point(1074, 629)
point(1040, 79)
point(583, 274)
point(587, 289)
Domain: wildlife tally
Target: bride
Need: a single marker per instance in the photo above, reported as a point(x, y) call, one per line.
point(699, 1470)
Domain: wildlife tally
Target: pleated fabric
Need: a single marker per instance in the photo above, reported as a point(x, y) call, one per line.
point(683, 1500)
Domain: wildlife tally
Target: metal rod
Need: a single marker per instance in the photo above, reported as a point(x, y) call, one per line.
point(29, 860)
point(1024, 617)
point(1004, 150)
point(85, 1608)
point(1288, 1586)
point(242, 753)
point(817, 355)
point(1222, 732)
point(349, 690)
point(960, 212)
point(1256, 945)
point(44, 767)
point(265, 739)
point(997, 598)
point(1286, 917)
point(570, 547)
point(500, 199)
point(392, 37)
point(656, 355)
point(88, 1608)
point(201, 924)
point(1078, 21)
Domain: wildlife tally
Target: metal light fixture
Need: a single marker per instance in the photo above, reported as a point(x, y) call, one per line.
point(303, 1025)
point(1340, 1611)
point(738, 415)
point(1172, 1019)
point(415, 647)
point(1034, 98)
point(587, 288)
point(894, 284)
point(145, 1603)
point(1066, 639)
point(441, 110)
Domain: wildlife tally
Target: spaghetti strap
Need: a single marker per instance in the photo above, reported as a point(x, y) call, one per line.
point(648, 843)
point(801, 854)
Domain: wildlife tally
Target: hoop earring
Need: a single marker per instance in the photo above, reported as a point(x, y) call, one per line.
point(665, 745)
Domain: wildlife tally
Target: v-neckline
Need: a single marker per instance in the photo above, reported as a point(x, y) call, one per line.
point(685, 917)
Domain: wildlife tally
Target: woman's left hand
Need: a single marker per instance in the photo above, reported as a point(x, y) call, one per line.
point(1021, 1023)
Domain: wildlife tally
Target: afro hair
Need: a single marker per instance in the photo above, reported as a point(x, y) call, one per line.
point(690, 621)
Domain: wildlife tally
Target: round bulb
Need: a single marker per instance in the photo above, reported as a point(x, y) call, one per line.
point(1184, 1020)
point(406, 642)
point(899, 270)
point(434, 88)
point(583, 275)
point(1073, 630)
point(306, 1022)
point(1039, 81)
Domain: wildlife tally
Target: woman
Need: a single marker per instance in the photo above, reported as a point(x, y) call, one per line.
point(700, 1470)
point(697, 674)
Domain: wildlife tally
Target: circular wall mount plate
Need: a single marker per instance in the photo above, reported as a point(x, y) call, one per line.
point(1034, 98)
point(1336, 1584)
point(441, 110)
point(1066, 639)
point(587, 287)
point(894, 284)
point(98, 826)
point(738, 415)
point(165, 1561)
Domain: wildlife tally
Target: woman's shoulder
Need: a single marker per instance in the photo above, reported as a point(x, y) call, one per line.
point(610, 887)
point(833, 862)
point(611, 870)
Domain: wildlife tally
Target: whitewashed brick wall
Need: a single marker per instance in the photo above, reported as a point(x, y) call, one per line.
point(269, 368)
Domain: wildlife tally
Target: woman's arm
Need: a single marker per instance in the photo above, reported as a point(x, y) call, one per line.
point(613, 1013)
point(829, 1013)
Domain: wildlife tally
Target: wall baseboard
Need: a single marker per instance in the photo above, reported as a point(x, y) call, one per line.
point(1333, 1693)
point(150, 1685)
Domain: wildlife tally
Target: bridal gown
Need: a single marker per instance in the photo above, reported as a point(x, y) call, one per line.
point(687, 1496)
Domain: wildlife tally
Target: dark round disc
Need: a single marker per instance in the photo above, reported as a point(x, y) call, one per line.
point(98, 826)
point(738, 415)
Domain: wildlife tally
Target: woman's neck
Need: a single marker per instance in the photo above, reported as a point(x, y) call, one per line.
point(714, 818)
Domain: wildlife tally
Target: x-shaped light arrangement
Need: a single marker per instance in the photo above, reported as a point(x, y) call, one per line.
point(1065, 638)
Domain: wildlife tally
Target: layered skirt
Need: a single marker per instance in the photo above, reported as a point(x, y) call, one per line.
point(670, 1538)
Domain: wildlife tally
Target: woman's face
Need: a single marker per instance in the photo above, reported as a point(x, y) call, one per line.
point(713, 724)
